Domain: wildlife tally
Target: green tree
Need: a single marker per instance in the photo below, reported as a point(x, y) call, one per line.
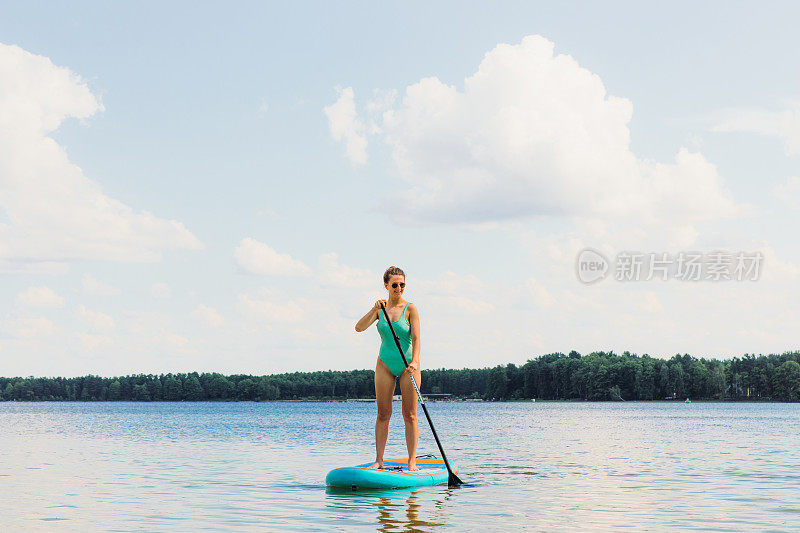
point(497, 384)
point(717, 381)
point(530, 371)
point(266, 390)
point(698, 379)
point(663, 381)
point(247, 389)
point(646, 380)
point(614, 393)
point(192, 389)
point(23, 391)
point(787, 382)
point(114, 390)
point(676, 380)
point(171, 388)
point(596, 376)
point(156, 389)
point(220, 388)
point(140, 393)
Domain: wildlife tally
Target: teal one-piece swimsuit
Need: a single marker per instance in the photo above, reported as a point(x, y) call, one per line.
point(389, 353)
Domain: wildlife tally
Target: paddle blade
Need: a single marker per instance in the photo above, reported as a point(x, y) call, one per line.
point(453, 481)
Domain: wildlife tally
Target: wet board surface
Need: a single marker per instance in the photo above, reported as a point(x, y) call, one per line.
point(393, 475)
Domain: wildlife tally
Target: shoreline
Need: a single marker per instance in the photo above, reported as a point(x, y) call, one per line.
point(372, 400)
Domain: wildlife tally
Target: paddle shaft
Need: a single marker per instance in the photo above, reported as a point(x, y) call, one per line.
point(452, 478)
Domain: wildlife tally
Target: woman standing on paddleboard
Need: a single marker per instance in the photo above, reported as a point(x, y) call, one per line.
point(390, 366)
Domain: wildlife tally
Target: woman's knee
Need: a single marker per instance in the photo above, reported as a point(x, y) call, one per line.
point(384, 414)
point(410, 415)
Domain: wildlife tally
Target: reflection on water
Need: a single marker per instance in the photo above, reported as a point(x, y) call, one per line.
point(261, 467)
point(397, 510)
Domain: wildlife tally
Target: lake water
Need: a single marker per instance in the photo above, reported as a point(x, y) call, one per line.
point(535, 466)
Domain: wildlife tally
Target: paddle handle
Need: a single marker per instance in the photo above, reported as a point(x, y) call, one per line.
point(419, 395)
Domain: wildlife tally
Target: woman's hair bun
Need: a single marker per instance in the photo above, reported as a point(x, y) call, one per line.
point(392, 271)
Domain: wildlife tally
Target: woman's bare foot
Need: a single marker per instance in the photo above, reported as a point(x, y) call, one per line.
point(412, 466)
point(376, 465)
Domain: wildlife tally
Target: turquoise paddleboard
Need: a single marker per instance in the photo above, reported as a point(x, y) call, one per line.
point(393, 475)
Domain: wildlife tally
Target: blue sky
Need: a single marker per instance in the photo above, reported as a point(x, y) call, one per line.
point(288, 154)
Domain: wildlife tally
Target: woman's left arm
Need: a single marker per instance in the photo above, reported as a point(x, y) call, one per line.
point(413, 319)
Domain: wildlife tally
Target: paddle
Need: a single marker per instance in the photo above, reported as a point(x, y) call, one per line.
point(452, 479)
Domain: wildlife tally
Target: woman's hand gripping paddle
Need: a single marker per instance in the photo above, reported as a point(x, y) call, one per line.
point(452, 479)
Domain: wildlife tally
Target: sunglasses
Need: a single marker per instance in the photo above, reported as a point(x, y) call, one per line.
point(402, 285)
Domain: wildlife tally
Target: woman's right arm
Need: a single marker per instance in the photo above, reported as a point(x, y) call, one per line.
point(371, 316)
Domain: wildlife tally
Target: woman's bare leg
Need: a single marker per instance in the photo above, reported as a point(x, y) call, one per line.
point(410, 415)
point(384, 390)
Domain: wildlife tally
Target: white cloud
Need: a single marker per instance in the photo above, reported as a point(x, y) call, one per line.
point(381, 102)
point(268, 212)
point(469, 305)
point(141, 323)
point(538, 293)
point(688, 190)
point(177, 341)
point(651, 303)
point(534, 133)
point(789, 192)
point(28, 327)
point(24, 266)
point(467, 320)
point(454, 293)
point(208, 316)
point(345, 126)
point(333, 273)
point(96, 287)
point(93, 342)
point(782, 125)
point(257, 258)
point(95, 320)
point(39, 297)
point(55, 213)
point(451, 284)
point(777, 271)
point(264, 307)
point(160, 291)
point(152, 331)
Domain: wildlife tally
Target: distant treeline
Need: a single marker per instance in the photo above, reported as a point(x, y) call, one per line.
point(597, 376)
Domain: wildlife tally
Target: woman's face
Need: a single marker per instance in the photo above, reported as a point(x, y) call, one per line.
point(396, 285)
